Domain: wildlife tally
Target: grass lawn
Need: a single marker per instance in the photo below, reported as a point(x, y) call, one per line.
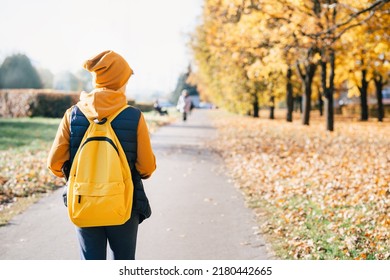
point(31, 133)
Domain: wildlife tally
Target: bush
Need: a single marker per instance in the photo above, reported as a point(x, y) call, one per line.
point(16, 103)
point(34, 103)
point(144, 107)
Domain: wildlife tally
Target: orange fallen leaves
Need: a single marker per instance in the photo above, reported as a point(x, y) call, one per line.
point(24, 173)
point(327, 194)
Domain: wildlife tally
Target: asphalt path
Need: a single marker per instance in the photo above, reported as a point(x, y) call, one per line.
point(198, 214)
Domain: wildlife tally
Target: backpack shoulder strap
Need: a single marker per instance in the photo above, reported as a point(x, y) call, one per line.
point(113, 116)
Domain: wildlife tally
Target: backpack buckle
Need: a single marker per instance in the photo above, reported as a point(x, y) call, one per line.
point(103, 121)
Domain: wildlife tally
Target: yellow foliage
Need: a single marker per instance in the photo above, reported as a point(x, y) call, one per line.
point(239, 45)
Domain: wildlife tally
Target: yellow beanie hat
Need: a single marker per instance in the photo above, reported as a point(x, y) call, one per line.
point(110, 70)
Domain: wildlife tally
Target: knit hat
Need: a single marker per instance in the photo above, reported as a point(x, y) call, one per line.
point(110, 70)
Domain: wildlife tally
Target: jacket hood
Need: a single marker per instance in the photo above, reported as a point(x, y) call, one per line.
point(101, 102)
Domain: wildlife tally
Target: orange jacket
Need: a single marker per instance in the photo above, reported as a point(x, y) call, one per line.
point(101, 103)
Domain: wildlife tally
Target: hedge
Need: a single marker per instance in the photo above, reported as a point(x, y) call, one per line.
point(144, 106)
point(16, 103)
point(34, 103)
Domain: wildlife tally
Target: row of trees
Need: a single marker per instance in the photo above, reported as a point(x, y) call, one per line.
point(251, 53)
point(17, 72)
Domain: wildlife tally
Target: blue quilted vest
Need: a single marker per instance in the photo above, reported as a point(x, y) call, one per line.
point(125, 126)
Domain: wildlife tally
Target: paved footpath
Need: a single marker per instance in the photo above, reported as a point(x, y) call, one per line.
point(197, 213)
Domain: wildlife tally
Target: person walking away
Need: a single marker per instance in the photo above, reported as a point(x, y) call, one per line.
point(111, 73)
point(184, 104)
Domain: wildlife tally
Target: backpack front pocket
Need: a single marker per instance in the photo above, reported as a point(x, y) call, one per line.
point(98, 204)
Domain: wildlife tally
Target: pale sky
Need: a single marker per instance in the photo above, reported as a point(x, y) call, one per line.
point(61, 34)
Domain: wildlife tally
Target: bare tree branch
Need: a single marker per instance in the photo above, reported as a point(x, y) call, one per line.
point(373, 7)
point(352, 26)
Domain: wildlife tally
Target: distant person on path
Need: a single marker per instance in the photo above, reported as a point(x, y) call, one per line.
point(159, 109)
point(184, 104)
point(111, 73)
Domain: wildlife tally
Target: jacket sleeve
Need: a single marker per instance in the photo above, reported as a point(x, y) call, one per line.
point(59, 152)
point(146, 161)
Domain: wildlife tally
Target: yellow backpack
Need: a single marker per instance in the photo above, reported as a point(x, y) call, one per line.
point(100, 187)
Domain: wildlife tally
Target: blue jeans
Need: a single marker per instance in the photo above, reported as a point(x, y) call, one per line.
point(122, 240)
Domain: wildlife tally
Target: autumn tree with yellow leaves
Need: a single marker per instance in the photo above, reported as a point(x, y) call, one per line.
point(368, 60)
point(248, 51)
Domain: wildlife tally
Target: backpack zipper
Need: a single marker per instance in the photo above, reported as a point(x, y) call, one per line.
point(100, 138)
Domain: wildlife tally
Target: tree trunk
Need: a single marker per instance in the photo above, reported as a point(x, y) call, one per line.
point(379, 96)
point(272, 108)
point(289, 98)
point(363, 97)
point(306, 105)
point(308, 80)
point(328, 90)
point(320, 103)
point(255, 106)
